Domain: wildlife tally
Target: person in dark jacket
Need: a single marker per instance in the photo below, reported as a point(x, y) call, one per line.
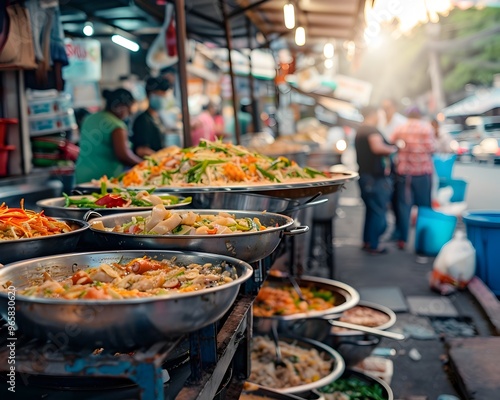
point(147, 129)
point(372, 151)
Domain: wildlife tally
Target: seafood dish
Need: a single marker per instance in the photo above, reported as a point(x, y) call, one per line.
point(138, 278)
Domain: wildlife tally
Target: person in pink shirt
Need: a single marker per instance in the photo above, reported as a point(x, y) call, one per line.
point(203, 125)
point(414, 168)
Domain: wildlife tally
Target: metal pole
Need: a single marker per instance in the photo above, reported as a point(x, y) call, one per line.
point(227, 29)
point(251, 81)
point(180, 29)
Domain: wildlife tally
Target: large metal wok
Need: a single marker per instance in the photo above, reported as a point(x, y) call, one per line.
point(115, 324)
point(249, 247)
point(317, 324)
point(295, 190)
point(21, 249)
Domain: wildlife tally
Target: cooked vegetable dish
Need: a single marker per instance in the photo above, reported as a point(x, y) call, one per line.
point(284, 300)
point(166, 222)
point(19, 223)
point(138, 278)
point(212, 164)
point(352, 389)
point(303, 366)
point(120, 198)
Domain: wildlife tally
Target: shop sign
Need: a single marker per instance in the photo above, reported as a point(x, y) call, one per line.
point(84, 60)
point(353, 90)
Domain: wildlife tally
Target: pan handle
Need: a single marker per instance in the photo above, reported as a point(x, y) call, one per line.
point(306, 205)
point(297, 231)
point(91, 214)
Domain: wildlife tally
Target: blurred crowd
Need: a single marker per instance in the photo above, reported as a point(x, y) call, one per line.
point(395, 157)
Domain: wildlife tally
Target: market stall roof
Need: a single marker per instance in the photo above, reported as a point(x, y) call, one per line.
point(322, 19)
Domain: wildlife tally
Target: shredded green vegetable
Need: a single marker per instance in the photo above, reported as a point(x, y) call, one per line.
point(356, 389)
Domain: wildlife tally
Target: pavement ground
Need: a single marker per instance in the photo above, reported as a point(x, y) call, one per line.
point(426, 378)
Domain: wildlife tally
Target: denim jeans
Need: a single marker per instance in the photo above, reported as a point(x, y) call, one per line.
point(375, 192)
point(411, 190)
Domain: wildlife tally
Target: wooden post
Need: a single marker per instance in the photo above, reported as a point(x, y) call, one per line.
point(227, 29)
point(180, 30)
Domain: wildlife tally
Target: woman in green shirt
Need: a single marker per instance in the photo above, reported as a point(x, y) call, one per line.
point(104, 140)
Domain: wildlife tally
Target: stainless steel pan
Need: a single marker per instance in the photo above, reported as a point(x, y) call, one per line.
point(328, 353)
point(21, 249)
point(296, 190)
point(249, 247)
point(116, 324)
point(346, 297)
point(242, 201)
point(317, 324)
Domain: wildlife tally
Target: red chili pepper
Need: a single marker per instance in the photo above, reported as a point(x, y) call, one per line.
point(111, 200)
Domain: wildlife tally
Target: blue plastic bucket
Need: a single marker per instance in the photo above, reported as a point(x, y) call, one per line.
point(483, 230)
point(443, 164)
point(459, 187)
point(433, 229)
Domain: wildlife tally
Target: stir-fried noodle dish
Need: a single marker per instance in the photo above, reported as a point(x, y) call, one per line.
point(212, 164)
point(302, 366)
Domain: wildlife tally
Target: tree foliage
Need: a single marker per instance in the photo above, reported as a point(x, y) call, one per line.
point(400, 66)
point(477, 63)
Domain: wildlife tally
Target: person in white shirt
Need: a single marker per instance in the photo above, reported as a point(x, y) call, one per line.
point(390, 118)
point(443, 138)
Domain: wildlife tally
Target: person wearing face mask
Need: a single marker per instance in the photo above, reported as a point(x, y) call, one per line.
point(104, 140)
point(147, 129)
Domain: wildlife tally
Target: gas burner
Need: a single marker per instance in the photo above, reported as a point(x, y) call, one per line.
point(46, 365)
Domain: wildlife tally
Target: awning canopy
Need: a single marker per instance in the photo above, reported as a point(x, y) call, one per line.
point(322, 19)
point(479, 103)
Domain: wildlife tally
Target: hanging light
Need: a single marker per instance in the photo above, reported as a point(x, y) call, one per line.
point(289, 15)
point(300, 36)
point(88, 29)
point(124, 42)
point(328, 50)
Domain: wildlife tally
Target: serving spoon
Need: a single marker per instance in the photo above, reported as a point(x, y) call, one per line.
point(374, 331)
point(278, 362)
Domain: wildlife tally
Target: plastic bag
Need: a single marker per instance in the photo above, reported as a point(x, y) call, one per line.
point(455, 265)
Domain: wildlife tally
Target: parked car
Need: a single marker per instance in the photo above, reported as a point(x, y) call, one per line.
point(480, 127)
point(488, 150)
point(462, 148)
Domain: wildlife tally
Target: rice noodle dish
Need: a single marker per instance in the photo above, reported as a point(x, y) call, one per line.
point(138, 278)
point(303, 366)
point(212, 164)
